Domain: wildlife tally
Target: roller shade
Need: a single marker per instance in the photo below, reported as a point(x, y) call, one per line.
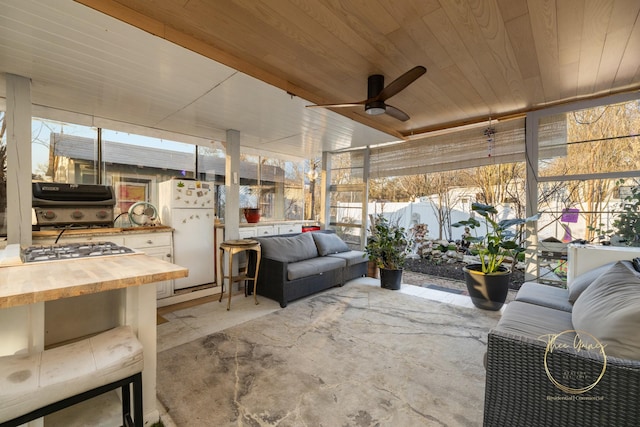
point(466, 148)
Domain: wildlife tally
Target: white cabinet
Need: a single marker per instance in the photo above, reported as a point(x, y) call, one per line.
point(289, 228)
point(248, 232)
point(157, 245)
point(148, 240)
point(265, 230)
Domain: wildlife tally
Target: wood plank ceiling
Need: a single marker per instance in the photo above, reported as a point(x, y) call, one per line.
point(485, 58)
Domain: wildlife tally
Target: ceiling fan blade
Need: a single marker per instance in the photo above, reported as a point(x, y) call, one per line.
point(352, 104)
point(396, 114)
point(401, 82)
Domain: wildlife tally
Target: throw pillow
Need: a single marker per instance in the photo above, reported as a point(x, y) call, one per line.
point(289, 249)
point(583, 281)
point(609, 310)
point(329, 244)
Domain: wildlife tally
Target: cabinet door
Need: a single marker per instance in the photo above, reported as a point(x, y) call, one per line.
point(158, 245)
point(164, 289)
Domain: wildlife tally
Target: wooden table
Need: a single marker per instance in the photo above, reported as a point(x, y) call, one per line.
point(24, 289)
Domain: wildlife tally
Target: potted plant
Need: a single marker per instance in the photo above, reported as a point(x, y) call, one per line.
point(387, 247)
point(252, 215)
point(488, 281)
point(626, 226)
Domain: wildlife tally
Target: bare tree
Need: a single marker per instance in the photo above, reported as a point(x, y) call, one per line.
point(441, 184)
point(497, 183)
point(599, 140)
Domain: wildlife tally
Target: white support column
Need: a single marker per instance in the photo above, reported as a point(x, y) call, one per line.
point(232, 200)
point(365, 198)
point(232, 186)
point(531, 191)
point(325, 194)
point(26, 333)
point(18, 119)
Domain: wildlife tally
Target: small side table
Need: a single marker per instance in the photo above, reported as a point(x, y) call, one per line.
point(232, 247)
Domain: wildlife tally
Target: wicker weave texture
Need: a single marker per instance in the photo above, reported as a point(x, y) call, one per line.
point(519, 392)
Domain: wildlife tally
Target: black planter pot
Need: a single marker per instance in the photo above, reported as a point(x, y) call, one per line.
point(390, 279)
point(487, 291)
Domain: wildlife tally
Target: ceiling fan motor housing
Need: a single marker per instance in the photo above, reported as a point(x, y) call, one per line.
point(375, 84)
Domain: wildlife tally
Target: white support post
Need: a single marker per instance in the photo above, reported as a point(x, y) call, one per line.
point(232, 186)
point(325, 194)
point(18, 119)
point(26, 333)
point(232, 199)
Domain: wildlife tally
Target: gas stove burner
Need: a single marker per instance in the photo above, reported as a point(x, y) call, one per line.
point(72, 251)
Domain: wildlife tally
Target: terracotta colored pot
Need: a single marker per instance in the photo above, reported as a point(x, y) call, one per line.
point(252, 215)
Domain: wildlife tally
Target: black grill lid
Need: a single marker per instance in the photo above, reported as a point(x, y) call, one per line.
point(51, 193)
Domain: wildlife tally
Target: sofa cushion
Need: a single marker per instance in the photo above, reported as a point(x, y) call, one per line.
point(582, 282)
point(328, 243)
point(545, 295)
point(290, 248)
point(313, 266)
point(351, 257)
point(536, 322)
point(609, 310)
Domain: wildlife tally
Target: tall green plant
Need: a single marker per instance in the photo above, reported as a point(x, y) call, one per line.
point(628, 222)
point(498, 242)
point(387, 245)
point(626, 226)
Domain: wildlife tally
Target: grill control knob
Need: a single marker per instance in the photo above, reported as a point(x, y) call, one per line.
point(102, 214)
point(48, 214)
point(77, 215)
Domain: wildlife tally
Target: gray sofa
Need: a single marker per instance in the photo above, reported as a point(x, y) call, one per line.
point(568, 357)
point(298, 265)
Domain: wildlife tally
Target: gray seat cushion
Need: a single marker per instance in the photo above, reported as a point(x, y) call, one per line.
point(290, 248)
point(310, 267)
point(537, 322)
point(351, 257)
point(544, 295)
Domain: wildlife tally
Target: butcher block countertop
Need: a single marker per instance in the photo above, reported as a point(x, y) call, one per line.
point(50, 280)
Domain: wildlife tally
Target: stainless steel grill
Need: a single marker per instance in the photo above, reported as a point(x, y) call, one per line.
point(58, 204)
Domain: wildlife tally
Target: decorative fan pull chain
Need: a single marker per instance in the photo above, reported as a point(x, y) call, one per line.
point(489, 133)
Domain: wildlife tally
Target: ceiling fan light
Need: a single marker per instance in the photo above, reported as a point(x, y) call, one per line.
point(375, 111)
point(375, 108)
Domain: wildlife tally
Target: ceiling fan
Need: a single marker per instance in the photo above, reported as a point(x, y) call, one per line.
point(377, 94)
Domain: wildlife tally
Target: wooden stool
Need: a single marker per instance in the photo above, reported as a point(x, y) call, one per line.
point(37, 384)
point(232, 247)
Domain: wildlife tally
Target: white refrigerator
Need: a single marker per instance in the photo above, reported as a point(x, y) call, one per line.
point(188, 206)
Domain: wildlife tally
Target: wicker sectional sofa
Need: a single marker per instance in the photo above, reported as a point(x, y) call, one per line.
point(297, 265)
point(568, 357)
